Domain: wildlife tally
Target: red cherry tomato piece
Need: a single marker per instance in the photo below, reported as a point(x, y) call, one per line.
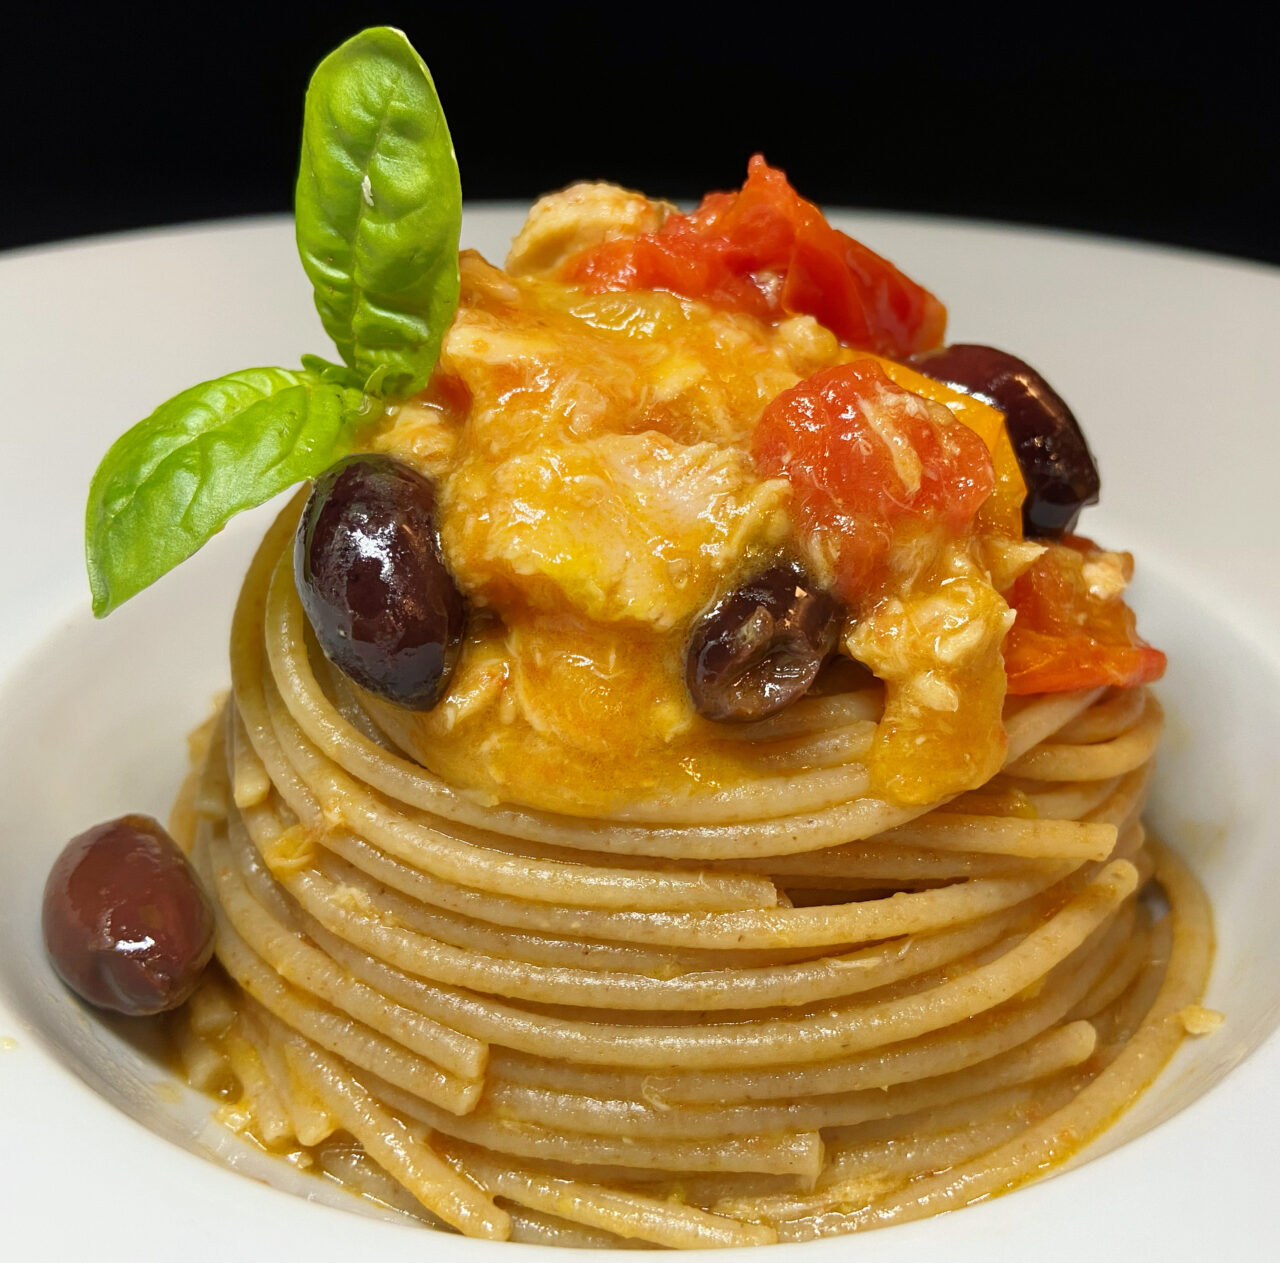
point(1070, 634)
point(767, 251)
point(877, 470)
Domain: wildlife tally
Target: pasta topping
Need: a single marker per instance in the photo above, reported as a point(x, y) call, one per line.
point(615, 459)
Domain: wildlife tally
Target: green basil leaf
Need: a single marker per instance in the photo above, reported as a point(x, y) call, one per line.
point(379, 208)
point(174, 480)
point(327, 371)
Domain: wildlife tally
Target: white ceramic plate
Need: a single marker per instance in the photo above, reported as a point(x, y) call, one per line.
point(1168, 358)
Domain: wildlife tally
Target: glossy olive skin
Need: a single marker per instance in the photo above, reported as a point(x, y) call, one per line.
point(1059, 470)
point(126, 923)
point(373, 582)
point(761, 647)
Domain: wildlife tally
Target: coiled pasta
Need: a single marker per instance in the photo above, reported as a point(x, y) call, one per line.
point(783, 1009)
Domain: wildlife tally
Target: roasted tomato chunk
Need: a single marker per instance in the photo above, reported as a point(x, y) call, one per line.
point(767, 251)
point(880, 474)
point(1074, 630)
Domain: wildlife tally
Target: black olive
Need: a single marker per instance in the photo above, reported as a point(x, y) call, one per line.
point(373, 582)
point(761, 647)
point(1055, 460)
point(126, 924)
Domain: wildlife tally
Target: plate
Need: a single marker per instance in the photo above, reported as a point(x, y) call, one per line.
point(1164, 356)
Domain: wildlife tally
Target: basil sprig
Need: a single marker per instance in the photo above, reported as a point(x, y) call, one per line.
point(379, 208)
point(174, 480)
point(378, 212)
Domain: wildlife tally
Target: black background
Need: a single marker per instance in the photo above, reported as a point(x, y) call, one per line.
point(1161, 126)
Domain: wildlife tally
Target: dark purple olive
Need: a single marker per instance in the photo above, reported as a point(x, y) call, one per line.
point(761, 647)
point(368, 566)
point(126, 924)
point(1052, 453)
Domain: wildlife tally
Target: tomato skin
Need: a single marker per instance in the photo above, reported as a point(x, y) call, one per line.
point(767, 251)
point(1067, 638)
point(872, 465)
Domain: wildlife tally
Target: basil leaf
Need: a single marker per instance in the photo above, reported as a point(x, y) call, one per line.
point(327, 371)
point(378, 208)
point(174, 480)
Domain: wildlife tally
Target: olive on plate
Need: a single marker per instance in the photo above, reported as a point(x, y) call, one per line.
point(373, 582)
point(1059, 470)
point(126, 924)
point(761, 647)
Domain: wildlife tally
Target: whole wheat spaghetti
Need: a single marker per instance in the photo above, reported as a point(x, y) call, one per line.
point(716, 1033)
